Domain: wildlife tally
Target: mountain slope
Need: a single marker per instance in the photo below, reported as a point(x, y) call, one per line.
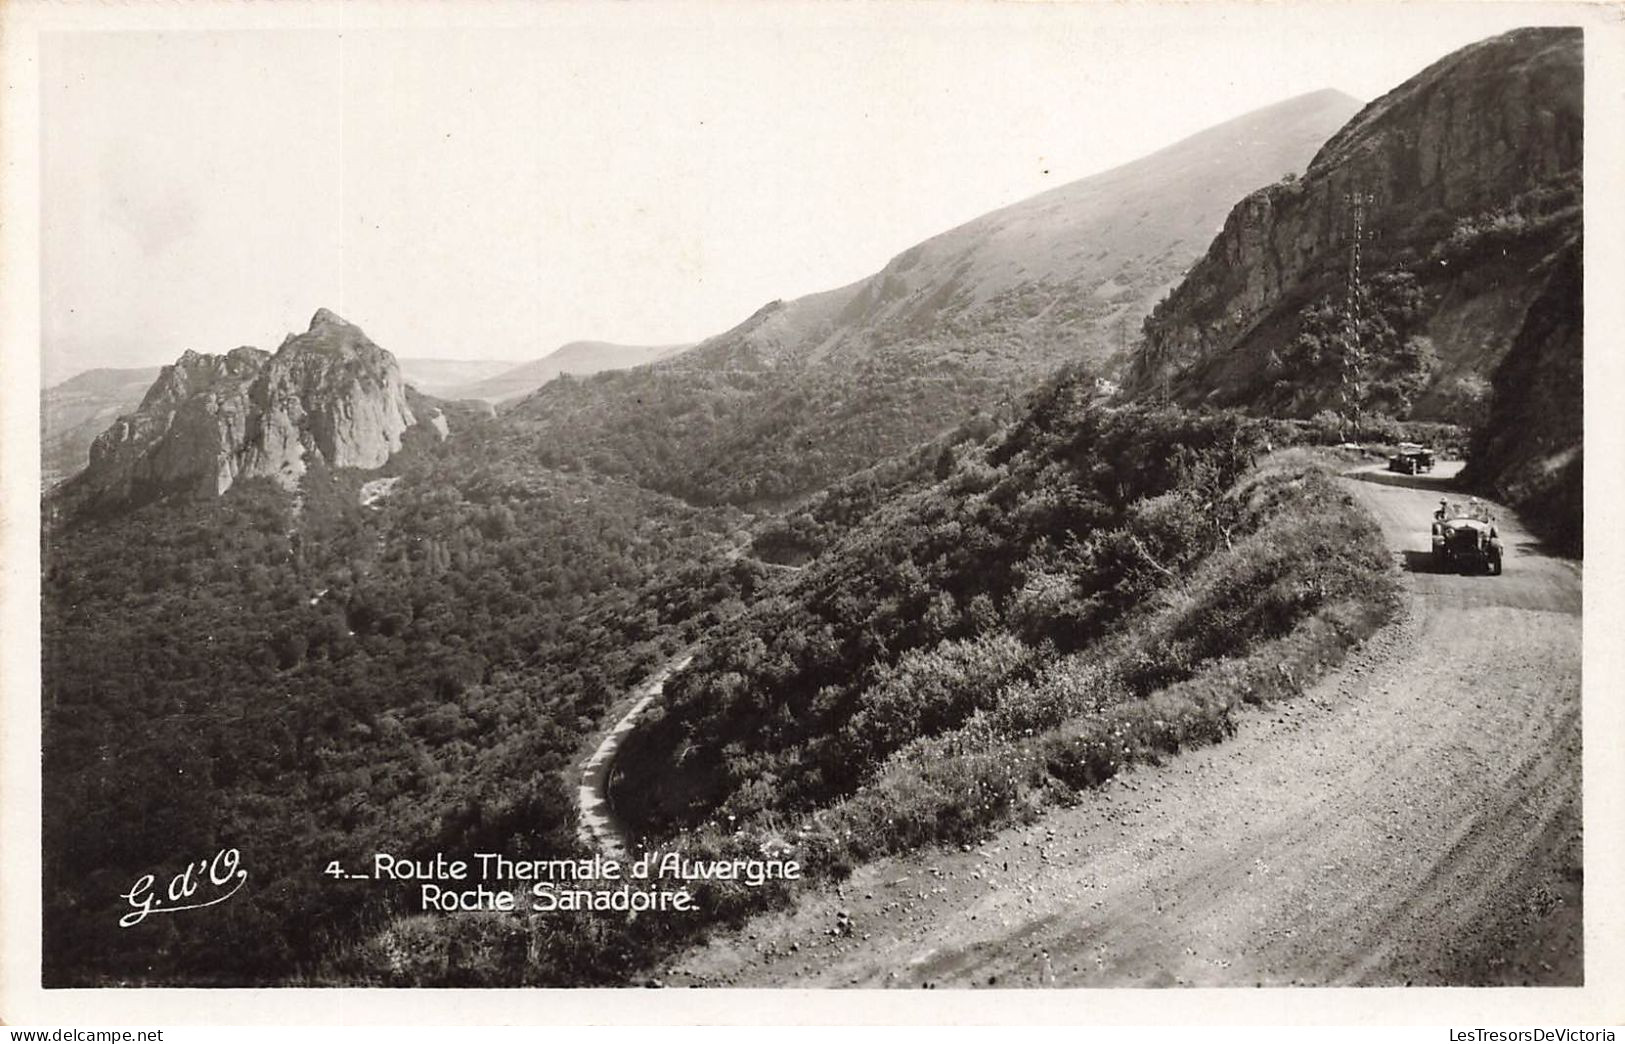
point(327, 676)
point(328, 395)
point(581, 358)
point(74, 412)
point(805, 391)
point(1530, 448)
point(1059, 275)
point(1470, 173)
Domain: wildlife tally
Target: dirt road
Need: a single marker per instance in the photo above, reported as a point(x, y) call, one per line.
point(1413, 819)
point(598, 825)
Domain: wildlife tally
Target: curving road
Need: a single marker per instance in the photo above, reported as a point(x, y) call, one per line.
point(1414, 818)
point(598, 825)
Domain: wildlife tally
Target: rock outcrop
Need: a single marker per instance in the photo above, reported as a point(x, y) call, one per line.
point(328, 395)
point(1468, 179)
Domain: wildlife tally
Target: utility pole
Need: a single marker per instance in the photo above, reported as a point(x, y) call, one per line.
point(1354, 353)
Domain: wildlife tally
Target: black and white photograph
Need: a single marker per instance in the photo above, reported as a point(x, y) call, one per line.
point(848, 497)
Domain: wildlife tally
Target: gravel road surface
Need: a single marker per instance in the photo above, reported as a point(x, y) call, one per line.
point(1412, 819)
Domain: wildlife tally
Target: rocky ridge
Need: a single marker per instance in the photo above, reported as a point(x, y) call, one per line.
point(328, 395)
point(1468, 176)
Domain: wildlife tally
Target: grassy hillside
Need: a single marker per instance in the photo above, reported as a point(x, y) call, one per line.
point(1064, 275)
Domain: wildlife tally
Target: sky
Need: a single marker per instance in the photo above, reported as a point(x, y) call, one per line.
point(643, 173)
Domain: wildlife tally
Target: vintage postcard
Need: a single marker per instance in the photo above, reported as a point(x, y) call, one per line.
point(936, 512)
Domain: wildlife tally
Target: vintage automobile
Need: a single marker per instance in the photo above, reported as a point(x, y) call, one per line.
point(1465, 539)
point(1411, 458)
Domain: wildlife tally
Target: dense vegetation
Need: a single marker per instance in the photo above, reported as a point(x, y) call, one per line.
point(311, 680)
point(1036, 544)
point(750, 437)
point(1084, 589)
point(935, 632)
point(1004, 615)
point(815, 525)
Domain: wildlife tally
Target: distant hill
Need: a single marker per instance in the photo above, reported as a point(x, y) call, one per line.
point(437, 377)
point(74, 412)
point(581, 358)
point(1472, 224)
point(807, 390)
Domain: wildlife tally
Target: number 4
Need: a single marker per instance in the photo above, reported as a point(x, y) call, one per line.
point(334, 869)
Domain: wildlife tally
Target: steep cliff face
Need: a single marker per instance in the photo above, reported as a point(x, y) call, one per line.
point(1467, 178)
point(1529, 451)
point(327, 395)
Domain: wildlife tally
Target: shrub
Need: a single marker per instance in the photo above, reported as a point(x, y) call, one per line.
point(930, 691)
point(972, 734)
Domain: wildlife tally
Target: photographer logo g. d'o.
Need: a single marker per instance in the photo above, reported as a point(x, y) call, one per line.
point(207, 882)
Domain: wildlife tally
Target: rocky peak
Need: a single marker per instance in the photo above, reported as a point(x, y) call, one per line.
point(1469, 173)
point(323, 317)
point(329, 395)
point(197, 373)
point(1511, 104)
